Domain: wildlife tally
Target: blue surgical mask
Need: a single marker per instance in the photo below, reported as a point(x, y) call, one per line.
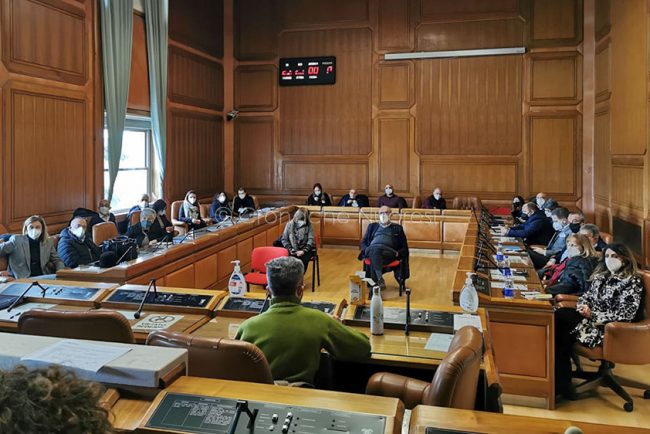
point(146, 224)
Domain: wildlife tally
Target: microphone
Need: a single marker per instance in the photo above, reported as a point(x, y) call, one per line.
point(407, 321)
point(266, 301)
point(152, 284)
point(21, 296)
point(125, 253)
point(184, 237)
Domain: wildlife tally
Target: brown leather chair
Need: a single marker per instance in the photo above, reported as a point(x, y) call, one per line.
point(607, 238)
point(204, 210)
point(624, 343)
point(218, 358)
point(255, 201)
point(179, 226)
point(135, 218)
point(470, 202)
point(4, 268)
point(96, 325)
point(104, 231)
point(55, 240)
point(417, 202)
point(454, 383)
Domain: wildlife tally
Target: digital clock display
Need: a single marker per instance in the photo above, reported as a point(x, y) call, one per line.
point(298, 71)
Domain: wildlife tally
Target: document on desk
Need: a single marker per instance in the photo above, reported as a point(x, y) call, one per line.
point(17, 311)
point(463, 319)
point(439, 342)
point(82, 355)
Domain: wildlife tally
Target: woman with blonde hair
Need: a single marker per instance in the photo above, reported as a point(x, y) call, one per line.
point(32, 253)
point(572, 275)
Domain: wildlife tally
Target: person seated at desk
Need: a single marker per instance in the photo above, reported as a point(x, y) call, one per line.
point(220, 209)
point(298, 237)
point(540, 199)
point(614, 296)
point(546, 257)
point(104, 214)
point(140, 231)
point(354, 200)
point(190, 212)
point(144, 203)
point(576, 220)
point(161, 229)
point(292, 336)
point(536, 230)
point(549, 205)
point(383, 243)
point(32, 253)
point(435, 201)
point(593, 234)
point(75, 248)
point(319, 197)
point(571, 275)
point(52, 401)
point(243, 203)
point(390, 199)
point(517, 205)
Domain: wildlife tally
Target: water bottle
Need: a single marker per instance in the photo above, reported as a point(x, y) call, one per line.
point(500, 256)
point(376, 312)
point(506, 271)
point(469, 296)
point(509, 289)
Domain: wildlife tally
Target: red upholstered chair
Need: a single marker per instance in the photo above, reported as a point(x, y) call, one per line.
point(315, 269)
point(396, 264)
point(259, 258)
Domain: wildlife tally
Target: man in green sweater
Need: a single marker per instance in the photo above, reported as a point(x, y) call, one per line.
point(291, 336)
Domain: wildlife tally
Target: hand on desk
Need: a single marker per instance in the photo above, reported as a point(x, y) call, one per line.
point(196, 221)
point(539, 250)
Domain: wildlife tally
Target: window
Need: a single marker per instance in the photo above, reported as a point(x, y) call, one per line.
point(135, 176)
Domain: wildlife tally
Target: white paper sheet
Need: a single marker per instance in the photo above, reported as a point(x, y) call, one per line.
point(17, 311)
point(155, 322)
point(462, 320)
point(496, 275)
point(439, 342)
point(502, 285)
point(77, 354)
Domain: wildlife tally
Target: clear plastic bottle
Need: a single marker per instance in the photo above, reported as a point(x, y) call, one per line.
point(376, 312)
point(237, 283)
point(469, 296)
point(509, 289)
point(499, 255)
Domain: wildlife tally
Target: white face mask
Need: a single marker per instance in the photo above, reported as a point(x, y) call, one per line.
point(613, 264)
point(384, 218)
point(558, 226)
point(540, 201)
point(437, 196)
point(144, 204)
point(388, 191)
point(104, 210)
point(79, 232)
point(33, 233)
point(222, 199)
point(316, 192)
point(192, 200)
point(572, 251)
point(300, 223)
point(242, 195)
point(162, 213)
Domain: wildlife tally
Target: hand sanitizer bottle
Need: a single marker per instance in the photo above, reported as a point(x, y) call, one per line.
point(237, 284)
point(376, 312)
point(468, 296)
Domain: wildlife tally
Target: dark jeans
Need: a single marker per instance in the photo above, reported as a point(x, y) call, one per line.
point(379, 256)
point(566, 319)
point(538, 260)
point(305, 259)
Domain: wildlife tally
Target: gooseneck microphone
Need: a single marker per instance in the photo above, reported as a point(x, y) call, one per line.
point(152, 284)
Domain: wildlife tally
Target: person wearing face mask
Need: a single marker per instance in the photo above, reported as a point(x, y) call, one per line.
point(319, 197)
point(190, 212)
point(576, 220)
point(32, 253)
point(74, 247)
point(140, 231)
point(354, 199)
point(220, 208)
point(571, 275)
point(540, 199)
point(615, 295)
point(383, 243)
point(549, 256)
point(243, 203)
point(537, 229)
point(104, 214)
point(549, 205)
point(161, 229)
point(298, 237)
point(517, 205)
point(435, 201)
point(593, 234)
point(390, 199)
point(142, 204)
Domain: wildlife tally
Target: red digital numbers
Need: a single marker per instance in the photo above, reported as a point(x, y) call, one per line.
point(313, 70)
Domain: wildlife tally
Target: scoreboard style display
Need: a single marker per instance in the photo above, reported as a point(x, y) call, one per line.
point(299, 71)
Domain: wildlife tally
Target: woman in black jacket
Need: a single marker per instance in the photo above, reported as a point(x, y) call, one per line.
point(319, 197)
point(161, 228)
point(572, 275)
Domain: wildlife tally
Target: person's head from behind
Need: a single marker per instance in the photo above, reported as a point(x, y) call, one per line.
point(35, 228)
point(437, 193)
point(617, 260)
point(285, 276)
point(317, 189)
point(560, 218)
point(529, 208)
point(144, 201)
point(517, 203)
point(591, 232)
point(50, 400)
point(579, 245)
point(159, 206)
point(388, 189)
point(241, 193)
point(352, 193)
point(190, 197)
point(301, 217)
point(147, 217)
point(78, 227)
point(384, 215)
point(104, 207)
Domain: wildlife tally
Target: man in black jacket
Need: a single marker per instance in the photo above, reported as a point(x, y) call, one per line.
point(383, 243)
point(75, 247)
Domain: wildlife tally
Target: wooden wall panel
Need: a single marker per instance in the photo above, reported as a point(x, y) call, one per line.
point(329, 120)
point(301, 13)
point(198, 24)
point(603, 18)
point(394, 30)
point(556, 78)
point(469, 106)
point(603, 71)
point(300, 176)
point(194, 153)
point(254, 138)
point(627, 186)
point(139, 80)
point(555, 22)
point(45, 39)
point(439, 9)
point(195, 80)
point(256, 29)
point(602, 170)
point(458, 177)
point(466, 35)
point(555, 149)
point(394, 139)
point(256, 88)
point(396, 82)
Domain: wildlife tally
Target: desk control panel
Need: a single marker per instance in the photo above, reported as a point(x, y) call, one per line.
point(161, 298)
point(203, 414)
point(431, 430)
point(59, 292)
point(395, 317)
point(254, 306)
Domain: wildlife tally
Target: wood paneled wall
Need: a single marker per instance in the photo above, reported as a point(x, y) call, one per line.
point(621, 131)
point(195, 147)
point(492, 126)
point(51, 124)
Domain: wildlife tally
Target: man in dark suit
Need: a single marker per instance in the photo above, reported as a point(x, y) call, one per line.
point(538, 229)
point(383, 243)
point(354, 200)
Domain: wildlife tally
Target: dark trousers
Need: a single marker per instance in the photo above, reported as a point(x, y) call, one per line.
point(538, 260)
point(566, 319)
point(379, 256)
point(305, 259)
